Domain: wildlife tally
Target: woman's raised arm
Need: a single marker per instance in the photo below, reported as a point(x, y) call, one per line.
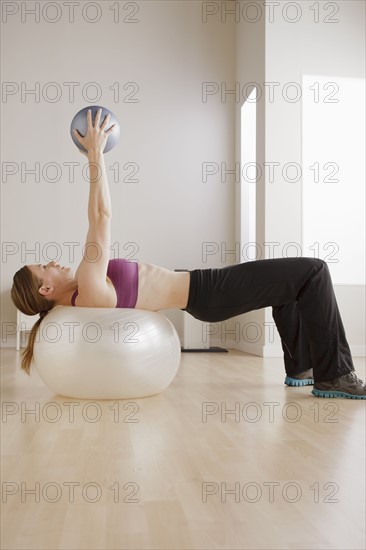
point(92, 271)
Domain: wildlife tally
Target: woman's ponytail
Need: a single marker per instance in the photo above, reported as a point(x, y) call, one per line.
point(26, 297)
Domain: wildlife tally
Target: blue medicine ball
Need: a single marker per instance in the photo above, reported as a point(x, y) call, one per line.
point(80, 123)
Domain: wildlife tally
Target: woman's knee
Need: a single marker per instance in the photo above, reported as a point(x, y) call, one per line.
point(322, 264)
point(320, 268)
point(316, 262)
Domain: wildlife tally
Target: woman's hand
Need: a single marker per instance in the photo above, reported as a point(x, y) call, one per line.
point(96, 137)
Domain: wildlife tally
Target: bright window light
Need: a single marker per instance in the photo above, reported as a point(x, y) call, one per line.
point(333, 166)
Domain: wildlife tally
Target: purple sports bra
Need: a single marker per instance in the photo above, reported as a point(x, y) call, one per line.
point(124, 276)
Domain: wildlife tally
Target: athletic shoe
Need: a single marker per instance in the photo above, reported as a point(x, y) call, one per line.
point(302, 379)
point(348, 386)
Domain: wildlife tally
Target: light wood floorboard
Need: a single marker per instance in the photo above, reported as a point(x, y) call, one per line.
point(283, 470)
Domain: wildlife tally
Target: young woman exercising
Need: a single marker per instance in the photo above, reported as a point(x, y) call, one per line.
point(299, 290)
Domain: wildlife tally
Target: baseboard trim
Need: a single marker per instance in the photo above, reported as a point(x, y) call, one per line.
point(275, 350)
point(246, 347)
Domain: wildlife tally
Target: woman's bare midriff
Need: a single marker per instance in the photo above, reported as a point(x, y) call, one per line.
point(160, 288)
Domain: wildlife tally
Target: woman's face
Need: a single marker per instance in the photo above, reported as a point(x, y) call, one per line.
point(52, 274)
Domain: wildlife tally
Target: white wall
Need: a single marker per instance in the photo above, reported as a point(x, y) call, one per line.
point(314, 45)
point(168, 133)
point(293, 49)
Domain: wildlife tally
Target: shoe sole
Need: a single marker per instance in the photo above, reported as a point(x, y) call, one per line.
point(323, 393)
point(297, 382)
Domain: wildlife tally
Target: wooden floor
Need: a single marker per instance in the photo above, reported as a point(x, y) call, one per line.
point(227, 457)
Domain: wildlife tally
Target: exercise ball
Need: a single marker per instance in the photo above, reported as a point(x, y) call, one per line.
point(80, 123)
point(103, 353)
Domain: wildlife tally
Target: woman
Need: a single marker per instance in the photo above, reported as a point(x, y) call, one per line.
point(299, 290)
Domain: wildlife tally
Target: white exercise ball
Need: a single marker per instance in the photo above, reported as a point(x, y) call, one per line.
point(102, 353)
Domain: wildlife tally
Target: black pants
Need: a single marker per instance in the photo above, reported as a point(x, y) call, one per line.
point(304, 308)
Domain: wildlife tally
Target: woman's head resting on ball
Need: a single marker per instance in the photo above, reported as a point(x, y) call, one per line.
point(39, 287)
